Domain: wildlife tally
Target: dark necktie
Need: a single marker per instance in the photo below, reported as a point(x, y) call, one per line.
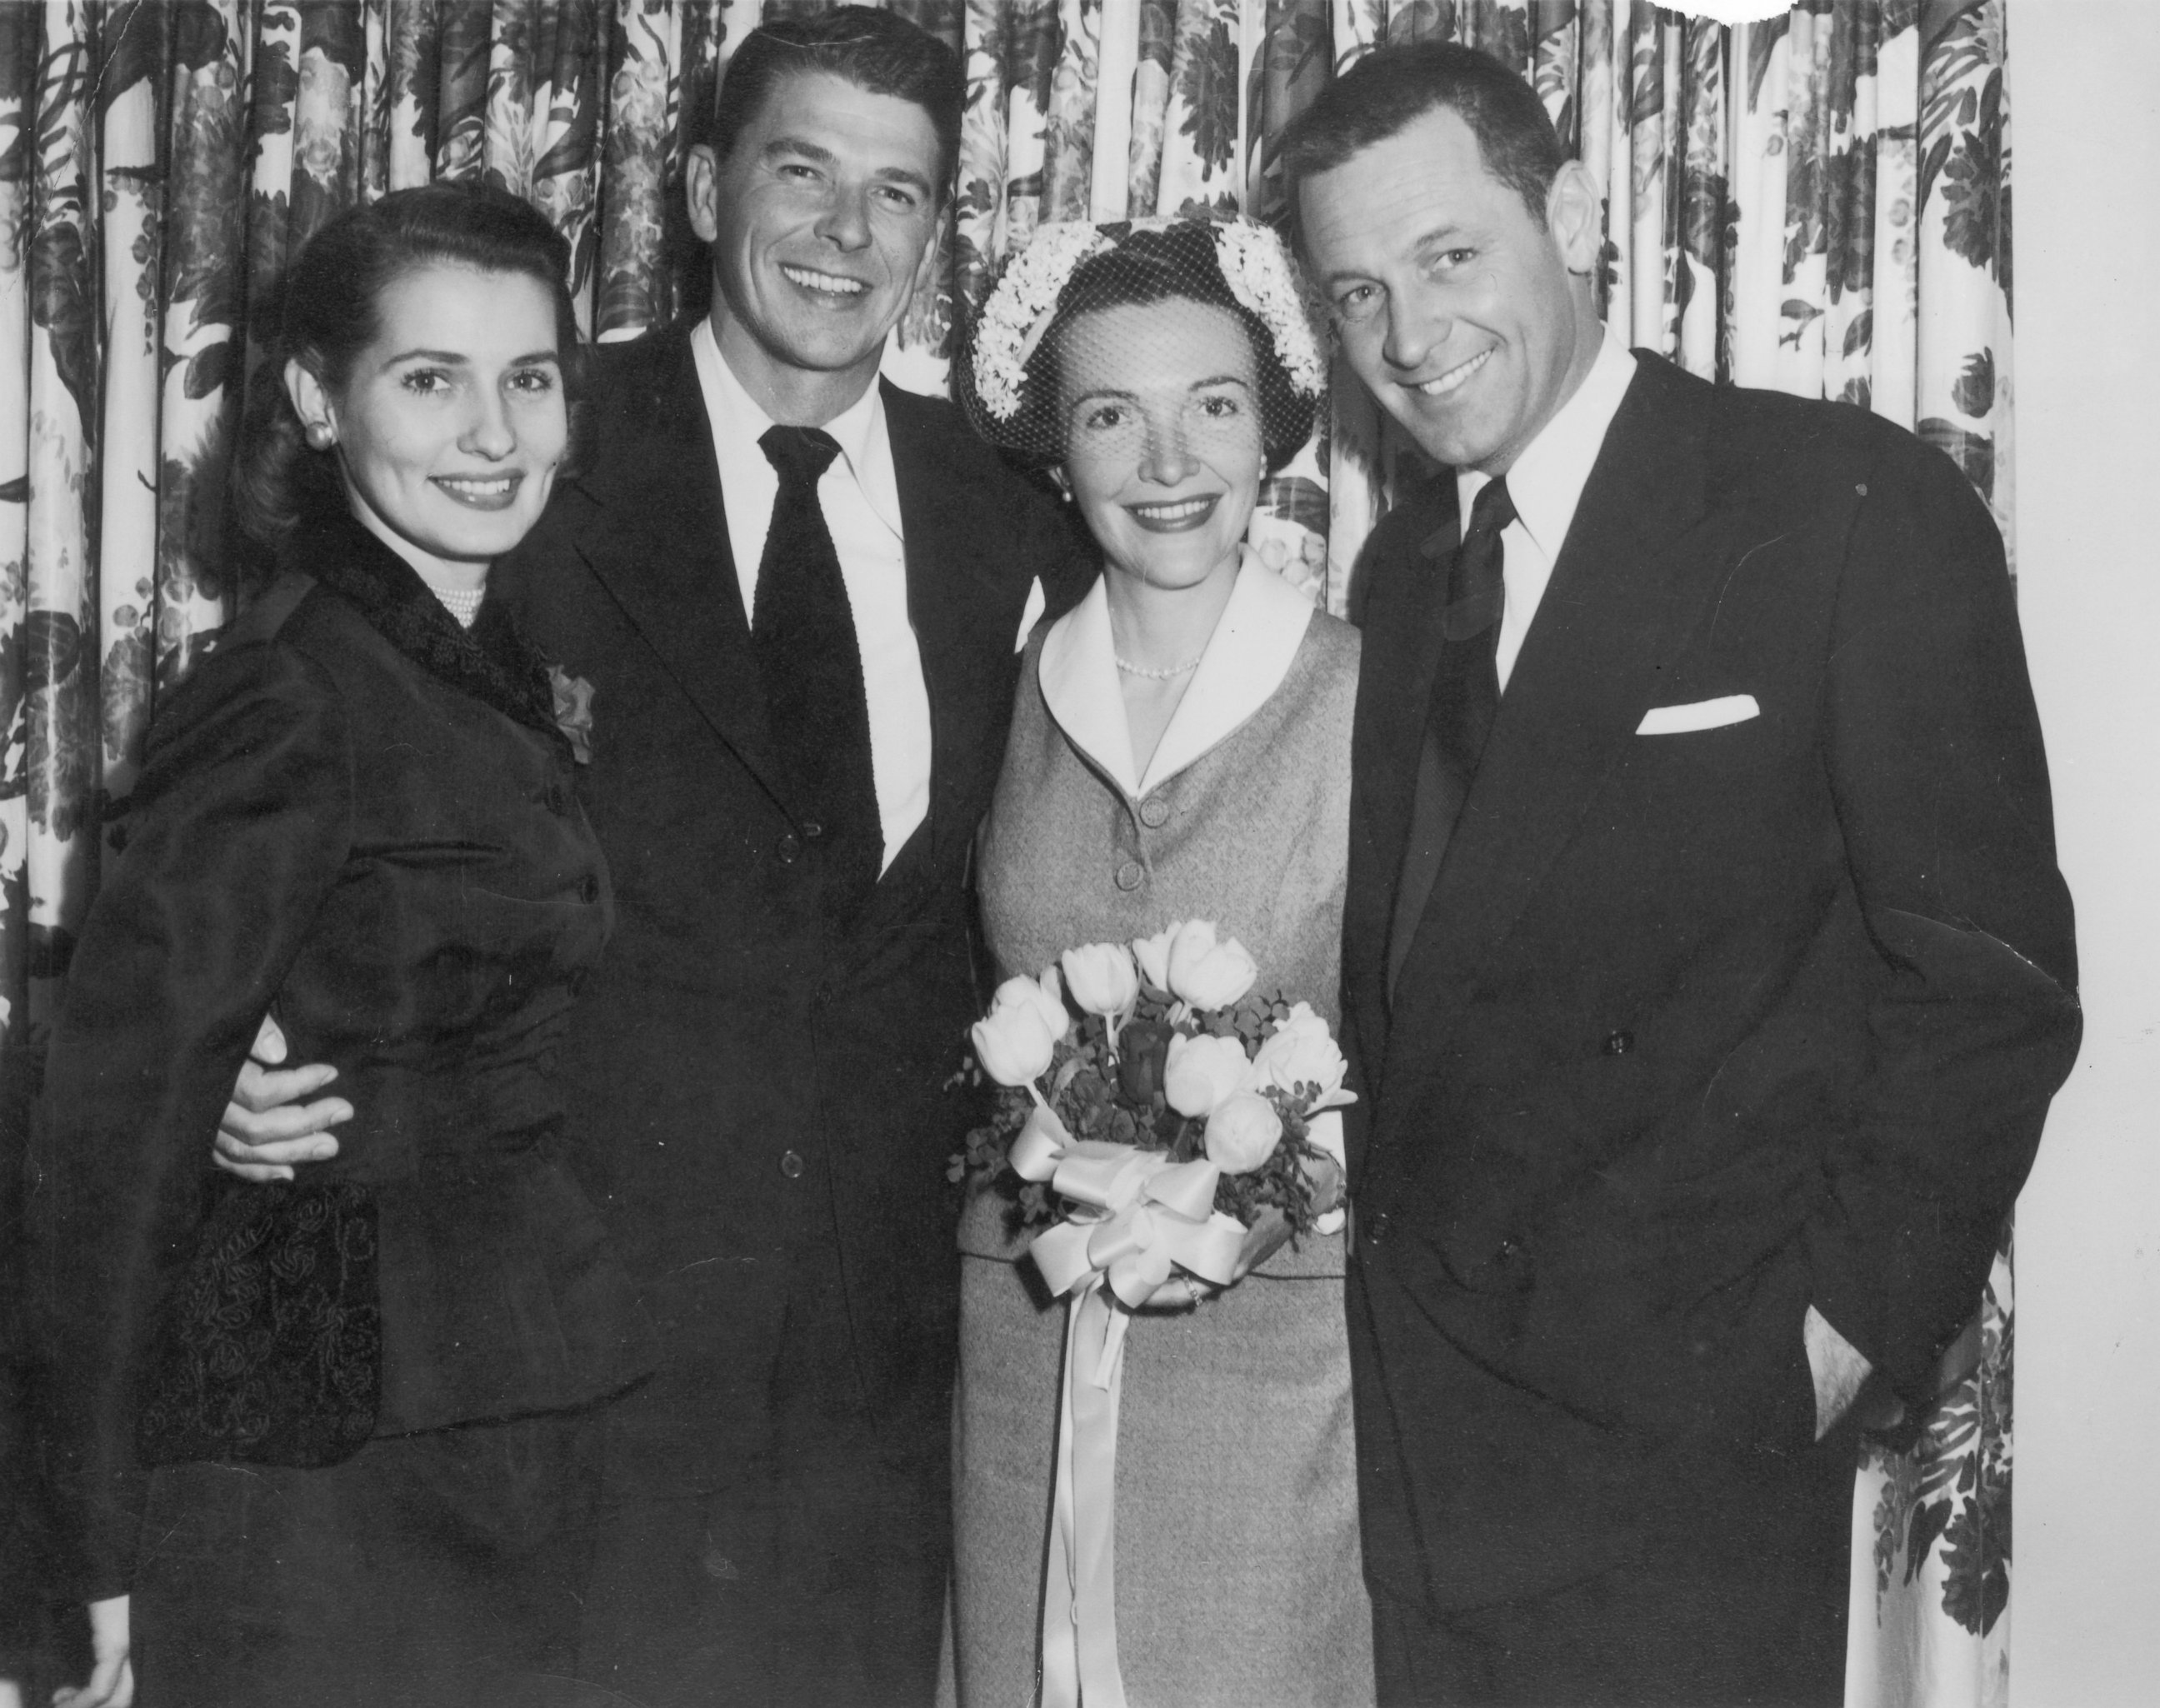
point(810, 666)
point(1466, 695)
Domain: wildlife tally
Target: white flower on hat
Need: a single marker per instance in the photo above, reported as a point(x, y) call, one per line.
point(1258, 272)
point(1021, 308)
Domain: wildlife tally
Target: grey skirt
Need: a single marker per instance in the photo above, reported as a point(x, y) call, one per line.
point(1238, 1575)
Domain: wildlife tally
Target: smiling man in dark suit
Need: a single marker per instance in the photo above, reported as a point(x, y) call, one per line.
point(1706, 958)
point(797, 591)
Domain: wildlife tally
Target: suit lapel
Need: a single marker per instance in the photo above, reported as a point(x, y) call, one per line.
point(649, 520)
point(1400, 623)
point(655, 533)
point(1617, 605)
point(956, 602)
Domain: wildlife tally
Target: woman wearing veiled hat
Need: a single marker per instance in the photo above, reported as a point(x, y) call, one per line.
point(1179, 750)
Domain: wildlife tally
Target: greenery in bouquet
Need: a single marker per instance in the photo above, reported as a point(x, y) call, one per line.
point(1165, 1047)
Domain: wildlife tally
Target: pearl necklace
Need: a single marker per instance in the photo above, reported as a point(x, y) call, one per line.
point(462, 603)
point(1169, 675)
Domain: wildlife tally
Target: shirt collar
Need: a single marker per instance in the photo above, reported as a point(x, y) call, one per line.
point(1262, 626)
point(859, 429)
point(1547, 479)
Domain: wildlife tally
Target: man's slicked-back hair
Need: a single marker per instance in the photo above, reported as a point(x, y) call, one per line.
point(1389, 89)
point(878, 51)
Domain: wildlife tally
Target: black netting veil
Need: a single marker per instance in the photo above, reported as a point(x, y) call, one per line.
point(1139, 316)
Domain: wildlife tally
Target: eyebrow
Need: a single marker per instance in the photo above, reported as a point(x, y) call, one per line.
point(1450, 233)
point(809, 150)
point(1080, 397)
point(456, 358)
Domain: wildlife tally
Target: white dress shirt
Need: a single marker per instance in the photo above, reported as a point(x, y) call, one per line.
point(860, 497)
point(1546, 483)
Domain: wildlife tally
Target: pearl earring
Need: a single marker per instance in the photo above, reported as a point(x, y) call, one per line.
point(319, 436)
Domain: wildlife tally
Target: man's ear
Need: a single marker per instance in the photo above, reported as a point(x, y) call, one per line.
point(311, 403)
point(701, 188)
point(1575, 217)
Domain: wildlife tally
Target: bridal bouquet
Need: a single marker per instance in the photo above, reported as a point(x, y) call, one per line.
point(1176, 1121)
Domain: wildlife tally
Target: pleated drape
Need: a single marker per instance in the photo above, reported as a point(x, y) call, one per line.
point(1820, 203)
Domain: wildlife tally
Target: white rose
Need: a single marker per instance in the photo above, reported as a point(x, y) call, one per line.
point(1015, 1041)
point(1200, 1073)
point(1153, 953)
point(1101, 978)
point(1300, 1051)
point(1208, 973)
point(1243, 1133)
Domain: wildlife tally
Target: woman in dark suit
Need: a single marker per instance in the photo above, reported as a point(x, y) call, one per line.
point(334, 1440)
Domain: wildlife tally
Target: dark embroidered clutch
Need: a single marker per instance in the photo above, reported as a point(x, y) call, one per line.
point(272, 1351)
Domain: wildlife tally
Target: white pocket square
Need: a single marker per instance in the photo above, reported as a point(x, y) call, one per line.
point(1701, 715)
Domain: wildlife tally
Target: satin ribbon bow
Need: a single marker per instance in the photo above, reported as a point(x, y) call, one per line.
point(1141, 1217)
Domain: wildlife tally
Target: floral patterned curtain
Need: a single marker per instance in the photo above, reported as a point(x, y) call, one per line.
point(1819, 203)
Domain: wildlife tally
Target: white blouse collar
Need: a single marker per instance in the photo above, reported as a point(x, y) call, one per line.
point(1262, 625)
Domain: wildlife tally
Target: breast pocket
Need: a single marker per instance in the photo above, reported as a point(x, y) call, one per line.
point(1707, 802)
point(1715, 742)
point(1695, 716)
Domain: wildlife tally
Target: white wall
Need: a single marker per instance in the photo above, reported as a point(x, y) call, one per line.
point(2084, 86)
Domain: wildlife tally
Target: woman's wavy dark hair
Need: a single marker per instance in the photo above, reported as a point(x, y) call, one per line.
point(328, 311)
point(1179, 262)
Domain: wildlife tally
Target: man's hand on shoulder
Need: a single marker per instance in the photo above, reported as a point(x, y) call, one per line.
point(268, 1126)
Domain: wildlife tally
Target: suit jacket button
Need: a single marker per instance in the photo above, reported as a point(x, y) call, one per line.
point(589, 889)
point(1131, 875)
point(1155, 813)
point(791, 1165)
point(1618, 1043)
point(559, 799)
point(790, 845)
point(1376, 1228)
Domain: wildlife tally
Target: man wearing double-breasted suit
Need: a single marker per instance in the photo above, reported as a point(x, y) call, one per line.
point(1706, 962)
